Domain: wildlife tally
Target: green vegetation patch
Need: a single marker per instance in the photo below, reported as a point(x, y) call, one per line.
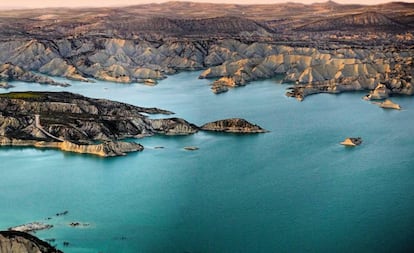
point(22, 95)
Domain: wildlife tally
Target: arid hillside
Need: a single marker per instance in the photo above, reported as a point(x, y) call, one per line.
point(207, 20)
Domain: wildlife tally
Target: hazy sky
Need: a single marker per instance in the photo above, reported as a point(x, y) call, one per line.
point(100, 3)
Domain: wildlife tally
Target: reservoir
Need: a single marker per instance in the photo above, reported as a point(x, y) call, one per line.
point(294, 189)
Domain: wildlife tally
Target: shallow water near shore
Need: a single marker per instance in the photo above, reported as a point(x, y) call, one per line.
point(294, 189)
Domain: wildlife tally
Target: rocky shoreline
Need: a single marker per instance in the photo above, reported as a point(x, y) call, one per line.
point(74, 123)
point(230, 62)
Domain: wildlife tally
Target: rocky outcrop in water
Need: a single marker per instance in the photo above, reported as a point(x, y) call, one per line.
point(20, 242)
point(234, 125)
point(388, 104)
point(352, 141)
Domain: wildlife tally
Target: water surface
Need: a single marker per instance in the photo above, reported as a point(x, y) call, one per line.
point(294, 189)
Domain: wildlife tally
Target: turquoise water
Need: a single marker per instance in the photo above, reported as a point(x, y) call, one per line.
point(294, 189)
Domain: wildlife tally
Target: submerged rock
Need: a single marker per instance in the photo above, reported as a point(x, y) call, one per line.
point(234, 125)
point(191, 148)
point(20, 242)
point(62, 213)
point(78, 224)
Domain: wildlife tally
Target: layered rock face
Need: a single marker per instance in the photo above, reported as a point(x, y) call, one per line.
point(20, 242)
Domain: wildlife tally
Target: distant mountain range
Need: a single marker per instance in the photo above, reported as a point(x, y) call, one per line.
point(363, 20)
point(194, 19)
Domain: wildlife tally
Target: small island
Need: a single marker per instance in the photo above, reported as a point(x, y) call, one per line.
point(352, 141)
point(191, 148)
point(233, 125)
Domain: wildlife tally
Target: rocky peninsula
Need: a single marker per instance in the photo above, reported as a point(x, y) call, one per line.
point(20, 242)
point(71, 122)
